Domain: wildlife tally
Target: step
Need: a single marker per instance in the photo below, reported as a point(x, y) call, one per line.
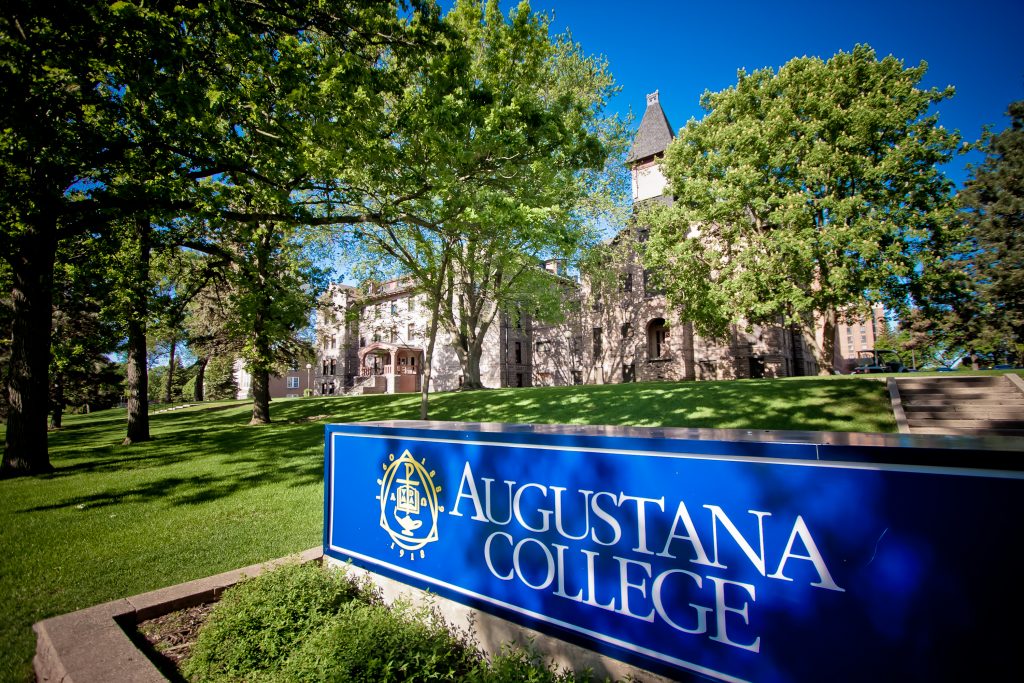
point(979, 404)
point(969, 432)
point(968, 411)
point(961, 381)
point(963, 393)
point(979, 425)
point(1003, 385)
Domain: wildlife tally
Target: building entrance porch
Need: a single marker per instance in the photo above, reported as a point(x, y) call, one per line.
point(400, 367)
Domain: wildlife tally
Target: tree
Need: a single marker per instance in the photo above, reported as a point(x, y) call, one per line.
point(84, 329)
point(994, 200)
point(220, 379)
point(505, 146)
point(116, 113)
point(274, 286)
point(206, 325)
point(806, 195)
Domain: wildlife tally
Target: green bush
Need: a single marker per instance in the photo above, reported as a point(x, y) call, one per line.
point(379, 643)
point(516, 664)
point(260, 621)
point(307, 623)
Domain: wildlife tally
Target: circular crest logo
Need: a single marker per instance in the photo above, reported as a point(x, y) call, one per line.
point(408, 504)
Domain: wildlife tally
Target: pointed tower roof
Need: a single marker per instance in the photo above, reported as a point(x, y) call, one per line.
point(655, 132)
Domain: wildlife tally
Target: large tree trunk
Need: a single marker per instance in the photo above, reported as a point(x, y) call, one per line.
point(199, 391)
point(471, 366)
point(137, 382)
point(57, 406)
point(25, 450)
point(260, 397)
point(825, 342)
point(170, 371)
point(137, 379)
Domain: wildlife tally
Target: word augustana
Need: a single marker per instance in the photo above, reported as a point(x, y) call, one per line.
point(674, 575)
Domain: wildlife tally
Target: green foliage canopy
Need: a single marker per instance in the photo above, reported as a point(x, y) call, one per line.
point(805, 195)
point(994, 198)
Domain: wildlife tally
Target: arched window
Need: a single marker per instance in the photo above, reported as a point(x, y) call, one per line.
point(657, 339)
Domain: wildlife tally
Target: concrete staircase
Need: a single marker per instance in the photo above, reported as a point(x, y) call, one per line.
point(974, 405)
point(371, 384)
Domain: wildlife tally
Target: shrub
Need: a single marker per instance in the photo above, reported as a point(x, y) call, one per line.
point(259, 622)
point(379, 643)
point(517, 664)
point(308, 623)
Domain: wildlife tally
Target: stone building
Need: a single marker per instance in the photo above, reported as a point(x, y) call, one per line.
point(857, 335)
point(379, 337)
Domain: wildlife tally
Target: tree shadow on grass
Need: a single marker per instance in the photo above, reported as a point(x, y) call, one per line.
point(177, 490)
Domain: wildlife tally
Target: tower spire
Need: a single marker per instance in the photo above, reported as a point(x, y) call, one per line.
point(654, 134)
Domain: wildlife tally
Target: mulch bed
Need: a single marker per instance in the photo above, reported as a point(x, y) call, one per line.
point(172, 636)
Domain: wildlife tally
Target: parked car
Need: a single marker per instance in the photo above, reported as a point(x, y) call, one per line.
point(871, 361)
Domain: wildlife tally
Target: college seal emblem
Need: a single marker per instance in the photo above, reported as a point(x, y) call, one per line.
point(408, 504)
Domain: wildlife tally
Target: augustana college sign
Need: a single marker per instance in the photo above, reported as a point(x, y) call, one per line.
point(770, 559)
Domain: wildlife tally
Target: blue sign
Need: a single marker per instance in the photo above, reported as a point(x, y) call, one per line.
point(733, 556)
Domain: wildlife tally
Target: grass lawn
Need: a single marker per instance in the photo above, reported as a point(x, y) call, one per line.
point(210, 494)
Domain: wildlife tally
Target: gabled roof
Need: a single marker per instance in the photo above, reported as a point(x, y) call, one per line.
point(655, 132)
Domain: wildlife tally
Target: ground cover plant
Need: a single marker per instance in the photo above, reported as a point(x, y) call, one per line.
point(313, 623)
point(210, 494)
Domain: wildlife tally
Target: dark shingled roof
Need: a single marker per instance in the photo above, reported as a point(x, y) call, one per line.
point(654, 134)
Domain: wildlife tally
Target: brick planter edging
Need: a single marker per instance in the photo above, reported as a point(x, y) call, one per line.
point(92, 646)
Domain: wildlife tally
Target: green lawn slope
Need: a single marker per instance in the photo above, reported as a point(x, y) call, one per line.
point(210, 493)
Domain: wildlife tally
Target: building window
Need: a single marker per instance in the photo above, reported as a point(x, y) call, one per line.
point(411, 303)
point(627, 282)
point(519, 379)
point(333, 367)
point(651, 287)
point(293, 383)
point(334, 341)
point(598, 344)
point(411, 332)
point(394, 336)
point(541, 347)
point(657, 339)
point(627, 330)
point(362, 341)
point(577, 377)
point(519, 353)
point(394, 308)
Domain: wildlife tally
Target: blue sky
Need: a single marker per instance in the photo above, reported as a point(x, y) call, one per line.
point(683, 48)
